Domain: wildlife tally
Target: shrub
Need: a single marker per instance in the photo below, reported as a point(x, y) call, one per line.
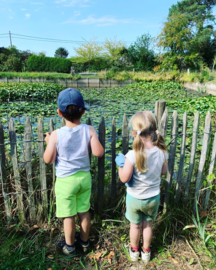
point(42, 63)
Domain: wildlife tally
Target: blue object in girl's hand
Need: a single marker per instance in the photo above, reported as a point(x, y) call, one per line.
point(120, 161)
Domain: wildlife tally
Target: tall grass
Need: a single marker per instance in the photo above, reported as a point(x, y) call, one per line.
point(202, 77)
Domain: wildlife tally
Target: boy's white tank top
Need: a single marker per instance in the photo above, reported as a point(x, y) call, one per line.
point(73, 145)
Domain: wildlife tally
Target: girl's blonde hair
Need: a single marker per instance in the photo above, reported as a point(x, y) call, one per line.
point(144, 124)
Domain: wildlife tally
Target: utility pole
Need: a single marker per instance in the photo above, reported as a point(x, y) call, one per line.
point(10, 39)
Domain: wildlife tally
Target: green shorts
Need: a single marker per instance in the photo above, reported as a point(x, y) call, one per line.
point(73, 194)
point(137, 210)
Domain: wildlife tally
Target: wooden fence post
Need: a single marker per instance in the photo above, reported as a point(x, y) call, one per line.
point(193, 151)
point(113, 146)
point(160, 106)
point(206, 139)
point(51, 130)
point(89, 123)
point(163, 124)
point(171, 160)
point(211, 168)
point(181, 163)
point(63, 122)
point(101, 169)
point(17, 179)
point(125, 135)
point(4, 180)
point(28, 162)
point(42, 169)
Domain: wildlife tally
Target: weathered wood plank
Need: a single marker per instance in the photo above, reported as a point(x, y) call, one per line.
point(193, 152)
point(163, 124)
point(63, 122)
point(101, 164)
point(206, 139)
point(28, 162)
point(4, 180)
point(113, 149)
point(171, 160)
point(43, 181)
point(90, 153)
point(17, 179)
point(211, 168)
point(125, 135)
point(160, 106)
point(53, 165)
point(182, 156)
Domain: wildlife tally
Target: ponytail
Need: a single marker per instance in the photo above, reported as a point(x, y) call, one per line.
point(140, 154)
point(159, 141)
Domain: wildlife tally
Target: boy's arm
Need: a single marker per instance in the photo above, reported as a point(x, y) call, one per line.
point(96, 147)
point(50, 152)
point(126, 172)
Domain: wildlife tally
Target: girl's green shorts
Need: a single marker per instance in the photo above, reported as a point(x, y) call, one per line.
point(138, 210)
point(73, 194)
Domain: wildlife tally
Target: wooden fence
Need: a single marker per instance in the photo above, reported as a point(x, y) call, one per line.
point(180, 189)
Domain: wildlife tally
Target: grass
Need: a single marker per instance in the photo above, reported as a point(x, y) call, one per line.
point(202, 77)
point(33, 247)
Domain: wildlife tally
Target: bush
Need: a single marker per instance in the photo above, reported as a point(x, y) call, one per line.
point(48, 64)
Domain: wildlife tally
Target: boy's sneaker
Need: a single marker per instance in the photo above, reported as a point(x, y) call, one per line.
point(83, 245)
point(145, 256)
point(61, 245)
point(134, 255)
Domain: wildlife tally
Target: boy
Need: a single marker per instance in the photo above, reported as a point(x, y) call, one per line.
point(68, 147)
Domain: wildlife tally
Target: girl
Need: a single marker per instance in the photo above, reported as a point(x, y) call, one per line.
point(147, 161)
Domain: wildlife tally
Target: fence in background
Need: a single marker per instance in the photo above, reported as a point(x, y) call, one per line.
point(180, 189)
point(81, 83)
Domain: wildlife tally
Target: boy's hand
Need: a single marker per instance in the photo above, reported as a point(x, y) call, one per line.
point(47, 137)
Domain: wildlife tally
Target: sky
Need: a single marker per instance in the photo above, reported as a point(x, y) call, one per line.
point(78, 21)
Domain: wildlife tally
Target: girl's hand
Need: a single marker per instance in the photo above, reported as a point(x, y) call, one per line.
point(47, 137)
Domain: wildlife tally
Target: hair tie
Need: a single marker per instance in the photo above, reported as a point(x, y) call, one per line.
point(157, 132)
point(139, 132)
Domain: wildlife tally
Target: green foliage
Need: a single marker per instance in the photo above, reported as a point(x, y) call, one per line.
point(140, 54)
point(188, 42)
point(61, 52)
point(81, 64)
point(12, 59)
point(48, 64)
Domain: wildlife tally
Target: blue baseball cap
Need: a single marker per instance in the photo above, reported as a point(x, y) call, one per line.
point(70, 96)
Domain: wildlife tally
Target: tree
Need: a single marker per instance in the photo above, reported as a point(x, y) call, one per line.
point(113, 48)
point(186, 38)
point(89, 50)
point(61, 52)
point(141, 53)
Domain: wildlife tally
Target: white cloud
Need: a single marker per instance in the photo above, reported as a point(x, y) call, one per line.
point(9, 10)
point(72, 3)
point(102, 21)
point(27, 15)
point(37, 3)
point(11, 17)
point(77, 13)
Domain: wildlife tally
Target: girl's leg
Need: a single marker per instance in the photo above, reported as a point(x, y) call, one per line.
point(135, 234)
point(70, 230)
point(85, 224)
point(147, 235)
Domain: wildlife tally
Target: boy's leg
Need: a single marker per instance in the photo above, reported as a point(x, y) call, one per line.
point(85, 224)
point(70, 230)
point(147, 234)
point(135, 234)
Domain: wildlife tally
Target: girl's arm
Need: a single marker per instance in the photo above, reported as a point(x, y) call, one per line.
point(50, 152)
point(96, 147)
point(126, 172)
point(164, 168)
